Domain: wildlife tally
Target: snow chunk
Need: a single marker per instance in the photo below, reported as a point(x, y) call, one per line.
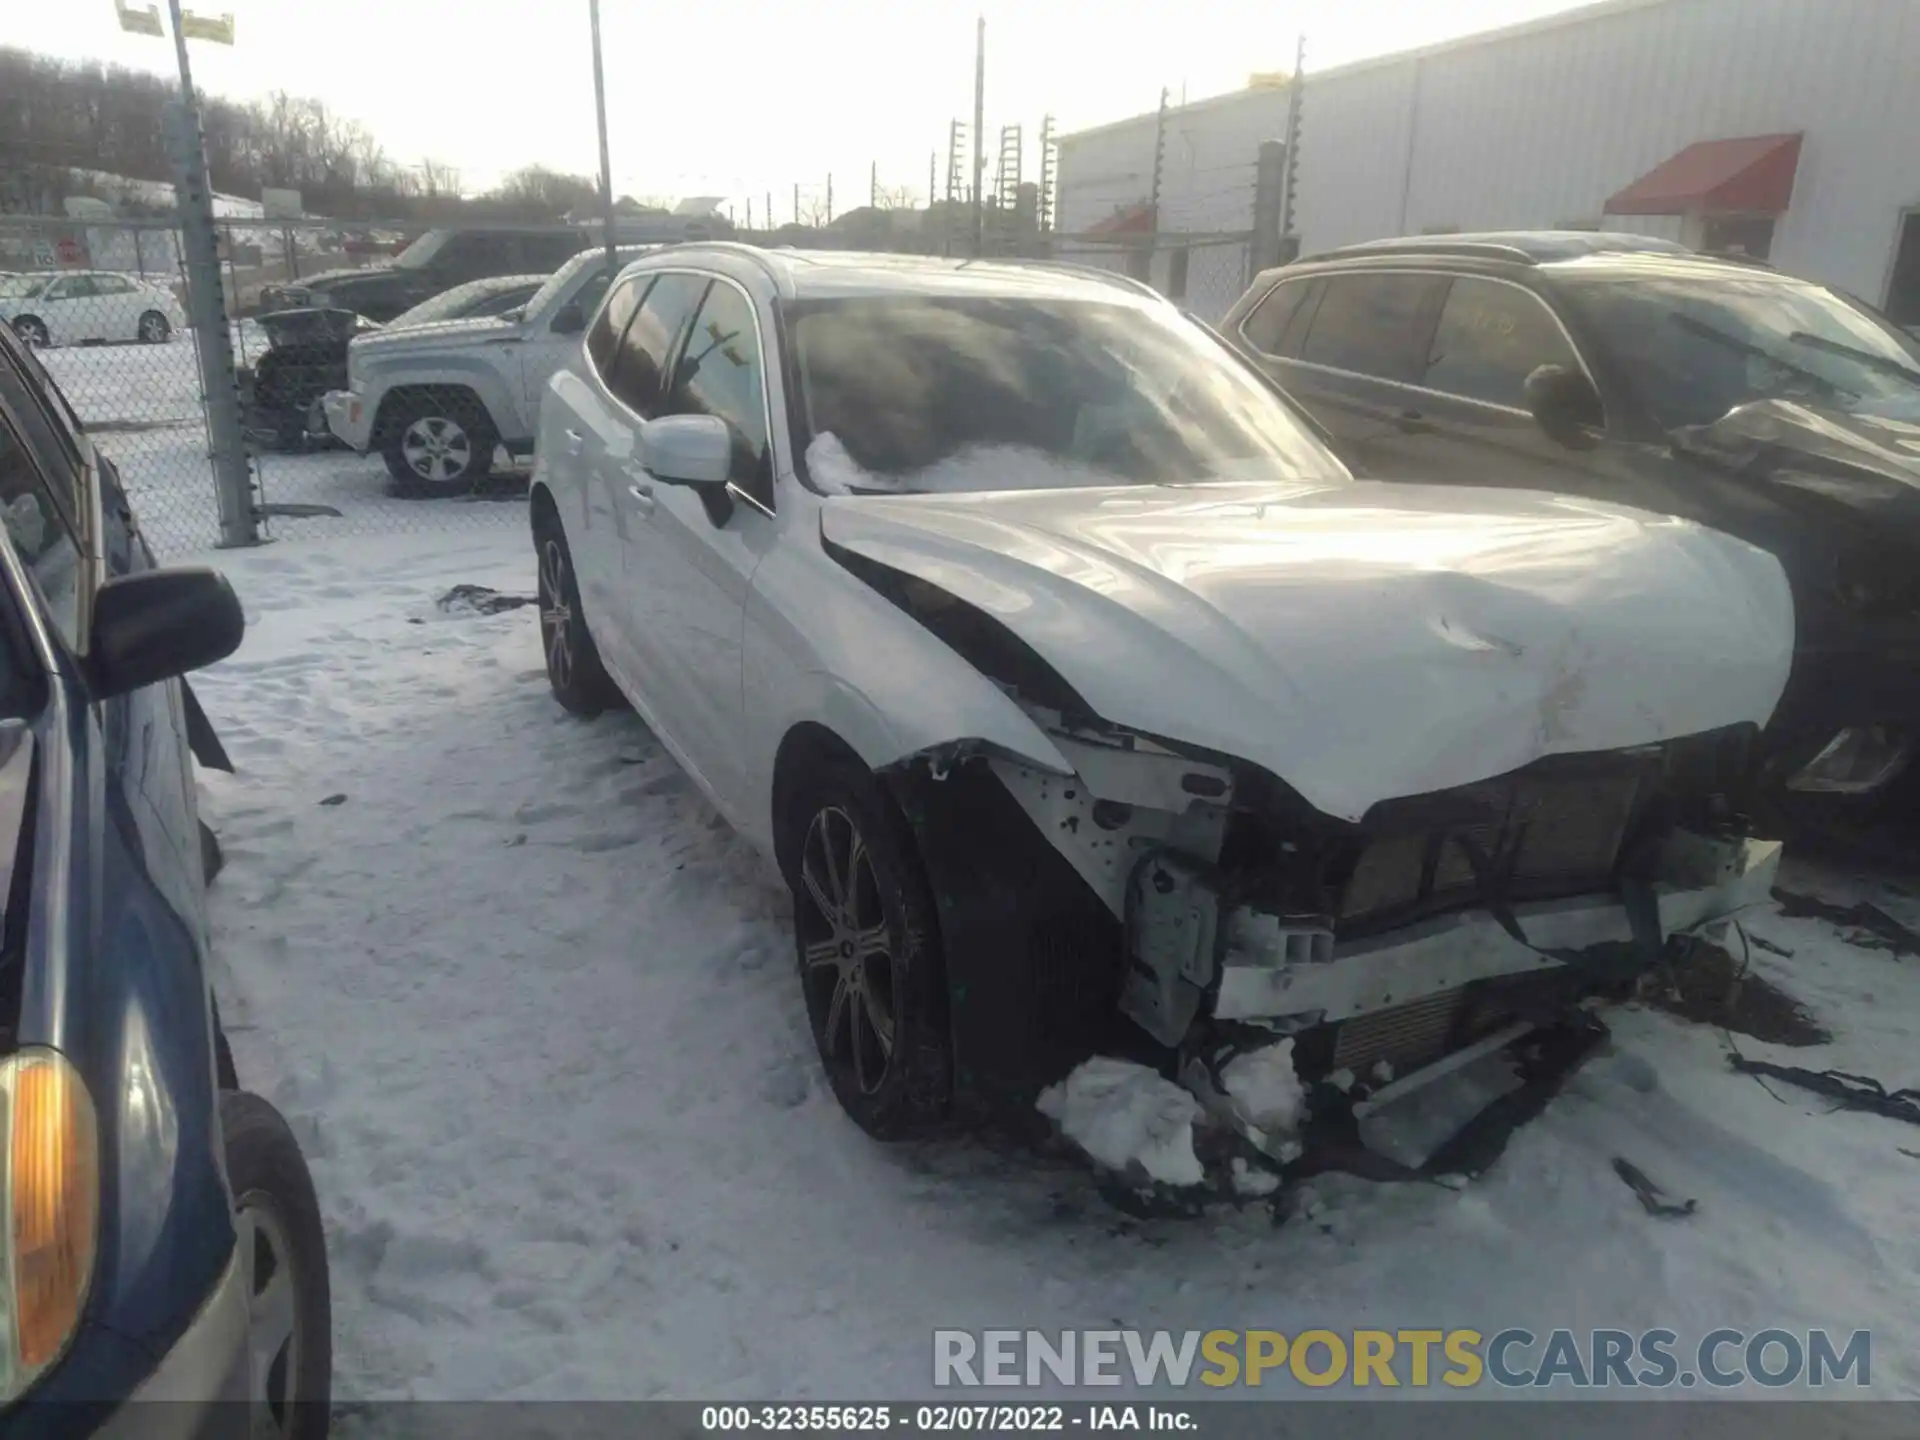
point(1383, 1071)
point(979, 468)
point(1264, 1088)
point(1249, 1181)
point(1118, 1111)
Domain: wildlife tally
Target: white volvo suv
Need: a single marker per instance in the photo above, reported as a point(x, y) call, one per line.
point(1086, 702)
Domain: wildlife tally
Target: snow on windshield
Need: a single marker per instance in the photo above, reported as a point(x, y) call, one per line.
point(954, 393)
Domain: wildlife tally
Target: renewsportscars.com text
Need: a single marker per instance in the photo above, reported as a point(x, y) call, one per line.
point(1414, 1359)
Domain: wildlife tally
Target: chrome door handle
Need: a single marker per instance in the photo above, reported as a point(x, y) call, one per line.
point(642, 496)
point(576, 442)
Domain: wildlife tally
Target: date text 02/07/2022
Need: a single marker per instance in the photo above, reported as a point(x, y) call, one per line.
point(942, 1419)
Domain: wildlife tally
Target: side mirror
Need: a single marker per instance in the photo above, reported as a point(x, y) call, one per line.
point(687, 449)
point(569, 319)
point(158, 625)
point(1566, 406)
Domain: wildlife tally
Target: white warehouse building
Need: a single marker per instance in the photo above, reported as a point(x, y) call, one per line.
point(1789, 129)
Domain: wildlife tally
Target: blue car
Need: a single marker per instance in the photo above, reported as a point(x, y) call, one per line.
point(161, 1240)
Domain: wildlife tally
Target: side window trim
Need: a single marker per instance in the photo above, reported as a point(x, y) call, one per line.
point(766, 398)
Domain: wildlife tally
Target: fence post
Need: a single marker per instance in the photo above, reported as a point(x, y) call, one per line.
point(206, 304)
point(1269, 185)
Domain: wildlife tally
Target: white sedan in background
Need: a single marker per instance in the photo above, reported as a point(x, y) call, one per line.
point(1085, 701)
point(70, 307)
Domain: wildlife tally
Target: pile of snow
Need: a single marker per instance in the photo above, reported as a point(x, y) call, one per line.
point(1119, 1112)
point(1264, 1089)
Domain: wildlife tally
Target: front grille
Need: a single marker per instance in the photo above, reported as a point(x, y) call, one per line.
point(1405, 1036)
point(1541, 835)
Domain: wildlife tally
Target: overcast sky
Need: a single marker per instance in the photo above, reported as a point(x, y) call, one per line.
point(745, 97)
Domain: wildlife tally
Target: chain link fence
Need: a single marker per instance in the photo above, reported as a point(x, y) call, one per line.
point(447, 448)
point(1203, 273)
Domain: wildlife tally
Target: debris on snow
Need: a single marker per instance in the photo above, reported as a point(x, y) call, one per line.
point(337, 798)
point(1652, 1198)
point(1122, 1113)
point(481, 600)
point(1341, 1080)
point(1864, 925)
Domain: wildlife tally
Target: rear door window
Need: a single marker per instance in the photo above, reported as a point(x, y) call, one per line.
point(1490, 337)
point(1279, 321)
point(639, 370)
point(603, 341)
point(1370, 324)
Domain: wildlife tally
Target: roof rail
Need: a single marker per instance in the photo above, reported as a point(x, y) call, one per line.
point(1094, 272)
point(1435, 245)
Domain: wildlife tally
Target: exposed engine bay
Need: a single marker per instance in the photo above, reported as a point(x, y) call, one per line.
point(1398, 951)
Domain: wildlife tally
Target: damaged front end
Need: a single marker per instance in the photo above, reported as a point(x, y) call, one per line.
point(1427, 968)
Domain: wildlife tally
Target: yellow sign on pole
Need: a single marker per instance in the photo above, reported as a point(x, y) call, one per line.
point(140, 22)
point(217, 28)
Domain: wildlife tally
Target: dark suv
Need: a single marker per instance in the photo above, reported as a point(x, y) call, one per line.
point(436, 261)
point(1632, 370)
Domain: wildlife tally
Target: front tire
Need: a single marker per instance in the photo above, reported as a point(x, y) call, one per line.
point(283, 1250)
point(574, 672)
point(153, 329)
point(32, 331)
point(867, 940)
point(439, 446)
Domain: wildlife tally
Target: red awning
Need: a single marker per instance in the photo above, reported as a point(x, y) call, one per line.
point(1131, 220)
point(1749, 176)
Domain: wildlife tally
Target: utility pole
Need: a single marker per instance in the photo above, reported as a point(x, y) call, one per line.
point(796, 202)
point(600, 116)
point(1049, 171)
point(770, 212)
point(873, 186)
point(749, 212)
point(979, 128)
point(829, 219)
point(1159, 158)
point(1293, 142)
point(212, 336)
point(933, 171)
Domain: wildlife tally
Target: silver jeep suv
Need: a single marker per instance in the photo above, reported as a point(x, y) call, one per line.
point(437, 400)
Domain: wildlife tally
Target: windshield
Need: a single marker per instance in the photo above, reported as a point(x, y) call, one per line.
point(1697, 346)
point(921, 393)
point(422, 250)
point(18, 287)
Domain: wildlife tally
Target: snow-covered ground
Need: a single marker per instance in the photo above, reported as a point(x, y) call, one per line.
point(532, 1009)
point(142, 405)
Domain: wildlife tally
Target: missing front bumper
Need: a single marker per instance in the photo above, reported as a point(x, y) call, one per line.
point(1192, 952)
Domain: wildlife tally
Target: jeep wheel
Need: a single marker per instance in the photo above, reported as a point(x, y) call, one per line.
point(154, 329)
point(437, 447)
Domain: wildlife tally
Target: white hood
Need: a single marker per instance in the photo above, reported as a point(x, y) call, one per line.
point(1360, 641)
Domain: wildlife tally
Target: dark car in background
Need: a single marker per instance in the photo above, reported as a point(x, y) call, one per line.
point(435, 262)
point(1631, 370)
point(162, 1263)
point(306, 356)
